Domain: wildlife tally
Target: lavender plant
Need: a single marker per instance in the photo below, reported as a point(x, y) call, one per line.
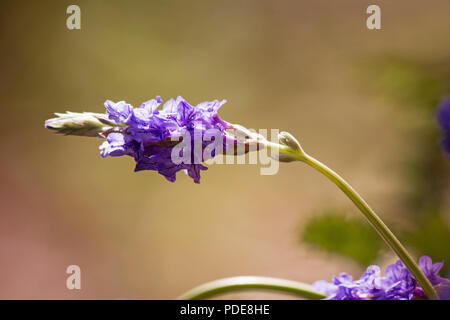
point(160, 139)
point(176, 137)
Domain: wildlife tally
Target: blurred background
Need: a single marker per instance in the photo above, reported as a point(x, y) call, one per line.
point(362, 101)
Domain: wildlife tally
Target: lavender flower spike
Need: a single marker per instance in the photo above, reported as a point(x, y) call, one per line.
point(397, 283)
point(166, 139)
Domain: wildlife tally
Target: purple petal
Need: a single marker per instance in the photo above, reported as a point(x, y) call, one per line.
point(120, 112)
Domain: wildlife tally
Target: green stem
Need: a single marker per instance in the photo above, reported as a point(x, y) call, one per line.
point(220, 286)
point(375, 221)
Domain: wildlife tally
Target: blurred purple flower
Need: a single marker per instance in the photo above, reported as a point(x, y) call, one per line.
point(431, 270)
point(149, 135)
point(443, 116)
point(397, 283)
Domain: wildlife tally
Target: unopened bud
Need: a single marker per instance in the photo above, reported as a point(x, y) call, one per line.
point(287, 139)
point(85, 124)
point(289, 149)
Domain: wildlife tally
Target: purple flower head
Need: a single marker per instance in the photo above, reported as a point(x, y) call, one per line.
point(443, 116)
point(397, 283)
point(154, 136)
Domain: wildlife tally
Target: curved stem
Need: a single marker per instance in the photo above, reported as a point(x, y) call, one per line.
point(220, 286)
point(375, 221)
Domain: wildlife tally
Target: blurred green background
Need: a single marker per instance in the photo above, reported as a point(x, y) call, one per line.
point(362, 101)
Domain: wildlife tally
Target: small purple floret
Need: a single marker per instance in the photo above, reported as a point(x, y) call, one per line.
point(120, 112)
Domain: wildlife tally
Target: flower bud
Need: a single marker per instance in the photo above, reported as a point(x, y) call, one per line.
point(80, 124)
point(287, 139)
point(293, 150)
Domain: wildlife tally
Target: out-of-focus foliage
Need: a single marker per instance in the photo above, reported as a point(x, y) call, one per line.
point(408, 82)
point(417, 87)
point(353, 238)
point(432, 237)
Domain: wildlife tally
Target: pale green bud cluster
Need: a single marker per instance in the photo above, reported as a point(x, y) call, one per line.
point(85, 124)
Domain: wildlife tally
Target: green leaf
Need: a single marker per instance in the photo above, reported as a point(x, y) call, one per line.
point(412, 83)
point(333, 232)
